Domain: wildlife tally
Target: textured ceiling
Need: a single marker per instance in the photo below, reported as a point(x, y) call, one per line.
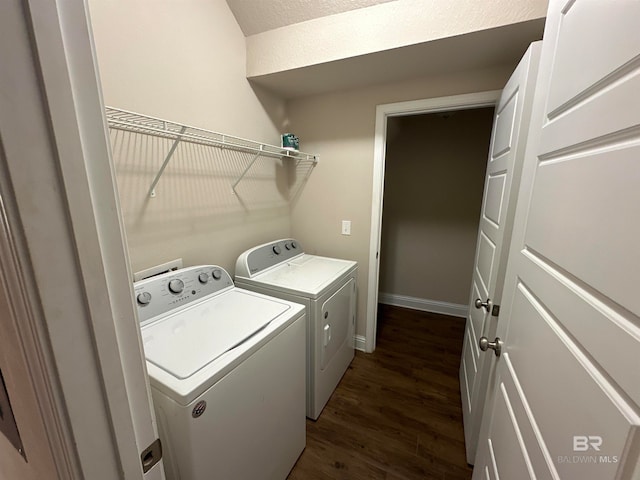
point(257, 16)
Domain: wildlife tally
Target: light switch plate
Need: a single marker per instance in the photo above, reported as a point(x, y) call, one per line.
point(346, 227)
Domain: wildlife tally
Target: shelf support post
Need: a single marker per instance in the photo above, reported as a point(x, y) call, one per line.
point(235, 184)
point(152, 189)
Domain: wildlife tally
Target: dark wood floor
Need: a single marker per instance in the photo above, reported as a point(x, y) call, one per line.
point(396, 414)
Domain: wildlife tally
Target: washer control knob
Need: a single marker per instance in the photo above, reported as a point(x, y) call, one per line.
point(294, 245)
point(277, 249)
point(176, 285)
point(217, 274)
point(287, 246)
point(203, 277)
point(144, 298)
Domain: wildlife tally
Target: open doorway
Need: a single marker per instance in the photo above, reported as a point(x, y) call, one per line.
point(444, 106)
point(433, 187)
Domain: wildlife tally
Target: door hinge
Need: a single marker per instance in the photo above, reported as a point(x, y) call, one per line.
point(151, 455)
point(495, 311)
point(377, 253)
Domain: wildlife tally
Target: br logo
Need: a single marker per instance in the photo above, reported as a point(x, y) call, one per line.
point(582, 443)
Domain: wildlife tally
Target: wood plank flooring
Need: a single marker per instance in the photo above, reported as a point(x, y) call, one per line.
point(396, 414)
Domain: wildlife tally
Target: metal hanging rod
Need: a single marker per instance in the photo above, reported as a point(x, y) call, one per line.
point(137, 123)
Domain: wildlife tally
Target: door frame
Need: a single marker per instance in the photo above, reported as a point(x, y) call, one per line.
point(61, 202)
point(383, 112)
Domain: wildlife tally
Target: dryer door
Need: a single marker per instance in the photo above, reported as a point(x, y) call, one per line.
point(337, 322)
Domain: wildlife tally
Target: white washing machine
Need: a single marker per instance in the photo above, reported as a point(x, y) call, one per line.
point(327, 288)
point(227, 375)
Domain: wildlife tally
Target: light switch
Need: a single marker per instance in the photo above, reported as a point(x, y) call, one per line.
point(346, 227)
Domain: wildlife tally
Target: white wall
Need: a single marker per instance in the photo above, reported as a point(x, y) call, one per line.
point(340, 128)
point(378, 28)
point(185, 61)
point(434, 178)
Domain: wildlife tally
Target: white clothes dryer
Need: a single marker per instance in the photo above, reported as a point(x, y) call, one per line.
point(226, 368)
point(327, 288)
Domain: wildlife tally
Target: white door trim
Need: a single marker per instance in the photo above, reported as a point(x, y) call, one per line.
point(23, 328)
point(68, 225)
point(413, 107)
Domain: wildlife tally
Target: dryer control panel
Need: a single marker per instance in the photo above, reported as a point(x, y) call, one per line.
point(264, 256)
point(173, 290)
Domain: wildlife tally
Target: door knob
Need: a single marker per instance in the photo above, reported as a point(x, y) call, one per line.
point(496, 345)
point(480, 304)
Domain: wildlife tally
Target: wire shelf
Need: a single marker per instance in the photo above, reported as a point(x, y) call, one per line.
point(143, 124)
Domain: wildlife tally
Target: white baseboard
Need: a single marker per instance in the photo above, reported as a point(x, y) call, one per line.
point(360, 342)
point(423, 304)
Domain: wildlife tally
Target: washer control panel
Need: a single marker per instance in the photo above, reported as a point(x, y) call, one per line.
point(264, 256)
point(159, 295)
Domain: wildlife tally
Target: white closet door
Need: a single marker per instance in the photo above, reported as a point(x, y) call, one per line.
point(565, 402)
point(504, 166)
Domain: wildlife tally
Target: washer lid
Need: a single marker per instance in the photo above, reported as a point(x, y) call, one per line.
point(306, 273)
point(183, 343)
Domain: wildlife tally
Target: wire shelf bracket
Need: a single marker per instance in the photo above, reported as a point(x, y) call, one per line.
point(248, 167)
point(124, 120)
point(152, 189)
